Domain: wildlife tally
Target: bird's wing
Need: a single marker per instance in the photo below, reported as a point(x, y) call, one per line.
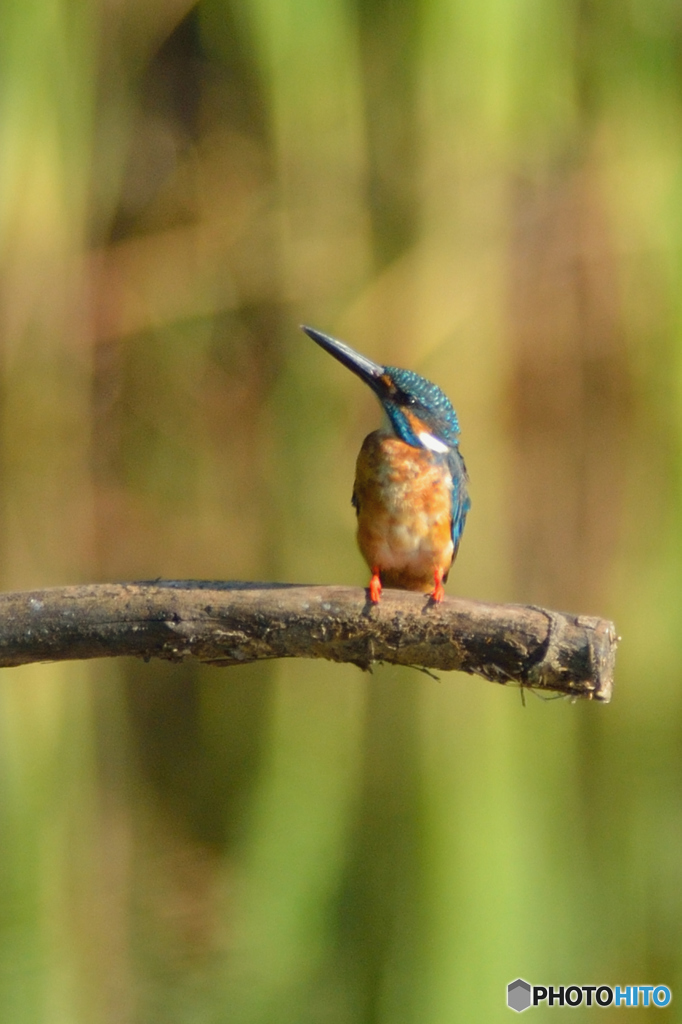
point(461, 502)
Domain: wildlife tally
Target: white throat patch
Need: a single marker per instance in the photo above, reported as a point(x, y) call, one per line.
point(434, 444)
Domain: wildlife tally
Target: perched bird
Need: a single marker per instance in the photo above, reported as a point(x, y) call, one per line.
point(410, 490)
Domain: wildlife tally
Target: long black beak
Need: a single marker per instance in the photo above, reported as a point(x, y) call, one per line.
point(365, 369)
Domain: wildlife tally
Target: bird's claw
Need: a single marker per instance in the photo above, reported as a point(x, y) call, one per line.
point(438, 590)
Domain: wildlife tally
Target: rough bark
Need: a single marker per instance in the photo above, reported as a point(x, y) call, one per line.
point(234, 623)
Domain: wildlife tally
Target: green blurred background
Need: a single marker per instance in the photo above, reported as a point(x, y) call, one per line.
point(490, 193)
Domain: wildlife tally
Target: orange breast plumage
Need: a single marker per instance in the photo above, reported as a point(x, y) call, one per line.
point(403, 497)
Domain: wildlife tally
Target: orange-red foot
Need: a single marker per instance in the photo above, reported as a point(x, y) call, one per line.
point(438, 590)
point(375, 588)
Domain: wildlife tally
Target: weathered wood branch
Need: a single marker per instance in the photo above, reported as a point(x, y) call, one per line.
point(235, 623)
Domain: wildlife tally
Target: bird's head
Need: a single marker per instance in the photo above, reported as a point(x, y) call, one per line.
point(418, 412)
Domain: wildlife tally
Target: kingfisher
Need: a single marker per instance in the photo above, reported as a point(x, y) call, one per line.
point(410, 490)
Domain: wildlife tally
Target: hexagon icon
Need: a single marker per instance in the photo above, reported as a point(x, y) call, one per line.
point(518, 995)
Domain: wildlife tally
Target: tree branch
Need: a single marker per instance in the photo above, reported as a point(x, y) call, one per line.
point(235, 623)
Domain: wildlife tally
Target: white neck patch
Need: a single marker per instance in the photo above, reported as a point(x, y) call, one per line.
point(434, 444)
